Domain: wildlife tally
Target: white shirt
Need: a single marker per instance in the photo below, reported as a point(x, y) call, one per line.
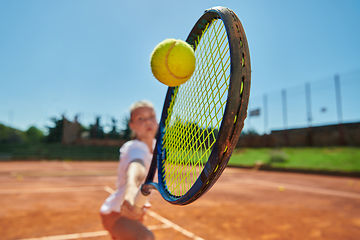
point(130, 151)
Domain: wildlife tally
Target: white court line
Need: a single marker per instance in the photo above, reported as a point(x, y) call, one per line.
point(50, 190)
point(301, 188)
point(67, 166)
point(157, 227)
point(88, 234)
point(62, 173)
point(72, 236)
point(173, 225)
point(165, 221)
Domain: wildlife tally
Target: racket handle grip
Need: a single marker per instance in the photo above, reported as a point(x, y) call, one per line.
point(140, 199)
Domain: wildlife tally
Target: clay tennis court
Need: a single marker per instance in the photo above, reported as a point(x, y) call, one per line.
point(60, 200)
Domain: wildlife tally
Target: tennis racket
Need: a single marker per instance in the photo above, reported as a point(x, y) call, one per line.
point(202, 119)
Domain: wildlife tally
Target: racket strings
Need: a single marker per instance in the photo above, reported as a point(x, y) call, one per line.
point(209, 134)
point(196, 111)
point(198, 158)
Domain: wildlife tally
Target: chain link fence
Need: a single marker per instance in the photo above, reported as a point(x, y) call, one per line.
point(327, 101)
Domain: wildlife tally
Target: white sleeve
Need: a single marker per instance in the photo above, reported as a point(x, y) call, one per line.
point(132, 153)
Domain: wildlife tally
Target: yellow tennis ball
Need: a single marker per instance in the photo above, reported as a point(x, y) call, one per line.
point(172, 62)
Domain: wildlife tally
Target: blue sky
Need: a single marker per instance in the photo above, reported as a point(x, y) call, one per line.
point(91, 57)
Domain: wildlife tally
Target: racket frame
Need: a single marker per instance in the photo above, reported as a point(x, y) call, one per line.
point(234, 114)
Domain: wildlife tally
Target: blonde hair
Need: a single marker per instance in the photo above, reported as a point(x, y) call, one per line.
point(139, 104)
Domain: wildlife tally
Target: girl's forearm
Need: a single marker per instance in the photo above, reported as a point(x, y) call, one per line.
point(135, 174)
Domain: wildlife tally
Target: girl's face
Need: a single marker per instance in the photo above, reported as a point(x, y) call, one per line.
point(143, 123)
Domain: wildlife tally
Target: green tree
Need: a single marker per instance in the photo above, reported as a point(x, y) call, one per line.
point(3, 133)
point(34, 135)
point(55, 133)
point(96, 130)
point(114, 134)
point(126, 132)
point(11, 135)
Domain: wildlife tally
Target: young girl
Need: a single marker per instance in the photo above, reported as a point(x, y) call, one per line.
point(119, 216)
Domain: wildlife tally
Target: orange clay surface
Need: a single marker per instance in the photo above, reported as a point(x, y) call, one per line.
point(51, 198)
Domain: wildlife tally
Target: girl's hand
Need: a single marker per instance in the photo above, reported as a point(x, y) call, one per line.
point(130, 211)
